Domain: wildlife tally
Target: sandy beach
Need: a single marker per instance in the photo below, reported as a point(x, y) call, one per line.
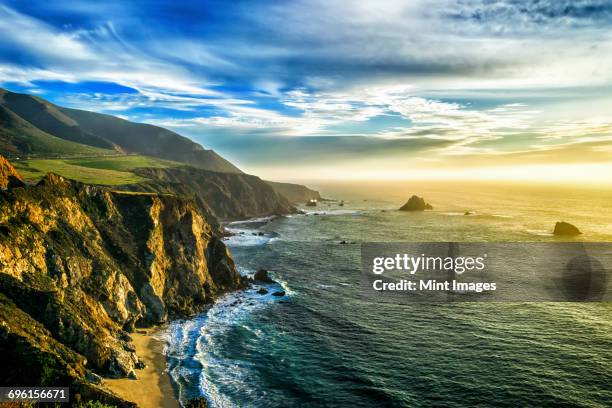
point(153, 388)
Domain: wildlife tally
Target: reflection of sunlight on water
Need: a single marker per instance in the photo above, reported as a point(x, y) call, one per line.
point(541, 233)
point(208, 349)
point(333, 212)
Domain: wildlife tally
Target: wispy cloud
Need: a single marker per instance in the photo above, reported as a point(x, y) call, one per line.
point(450, 78)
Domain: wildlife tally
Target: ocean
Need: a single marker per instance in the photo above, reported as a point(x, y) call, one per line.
point(325, 344)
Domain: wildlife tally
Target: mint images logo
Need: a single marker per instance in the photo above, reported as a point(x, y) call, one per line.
point(514, 272)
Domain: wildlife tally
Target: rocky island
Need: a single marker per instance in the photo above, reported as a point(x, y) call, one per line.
point(416, 203)
point(565, 228)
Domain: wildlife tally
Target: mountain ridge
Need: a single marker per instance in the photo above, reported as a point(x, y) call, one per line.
point(33, 127)
point(102, 131)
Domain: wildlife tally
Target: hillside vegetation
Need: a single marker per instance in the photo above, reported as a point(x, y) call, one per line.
point(34, 127)
point(116, 170)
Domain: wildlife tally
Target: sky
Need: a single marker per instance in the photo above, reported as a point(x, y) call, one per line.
point(330, 89)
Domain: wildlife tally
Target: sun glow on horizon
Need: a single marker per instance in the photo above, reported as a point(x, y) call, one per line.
point(576, 173)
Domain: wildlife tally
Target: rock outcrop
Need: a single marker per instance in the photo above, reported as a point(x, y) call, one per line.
point(416, 203)
point(9, 177)
point(262, 276)
point(81, 266)
point(565, 228)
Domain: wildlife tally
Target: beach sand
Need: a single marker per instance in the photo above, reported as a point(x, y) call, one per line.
point(153, 388)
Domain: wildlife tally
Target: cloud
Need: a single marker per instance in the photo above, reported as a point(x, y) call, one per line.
point(440, 78)
point(96, 54)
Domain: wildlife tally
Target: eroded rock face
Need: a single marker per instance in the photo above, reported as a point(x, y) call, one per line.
point(416, 203)
point(235, 196)
point(9, 177)
point(565, 228)
point(89, 264)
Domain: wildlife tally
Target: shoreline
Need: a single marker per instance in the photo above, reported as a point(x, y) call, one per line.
point(153, 387)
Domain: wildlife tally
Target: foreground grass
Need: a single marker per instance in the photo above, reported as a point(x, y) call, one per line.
point(114, 170)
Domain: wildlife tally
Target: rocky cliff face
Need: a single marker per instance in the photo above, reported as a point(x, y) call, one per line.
point(8, 175)
point(224, 195)
point(81, 266)
point(295, 193)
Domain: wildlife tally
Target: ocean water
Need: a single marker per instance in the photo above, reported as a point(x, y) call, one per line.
point(325, 344)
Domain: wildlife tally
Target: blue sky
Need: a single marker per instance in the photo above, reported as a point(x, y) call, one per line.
point(366, 88)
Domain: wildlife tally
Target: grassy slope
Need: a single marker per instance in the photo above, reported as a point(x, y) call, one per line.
point(96, 170)
point(19, 138)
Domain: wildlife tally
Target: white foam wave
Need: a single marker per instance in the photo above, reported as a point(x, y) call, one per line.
point(207, 330)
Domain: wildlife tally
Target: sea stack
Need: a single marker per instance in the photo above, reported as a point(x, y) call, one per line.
point(416, 203)
point(262, 276)
point(565, 228)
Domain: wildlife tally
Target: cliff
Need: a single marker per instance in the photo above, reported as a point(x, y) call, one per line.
point(9, 177)
point(295, 193)
point(226, 195)
point(81, 266)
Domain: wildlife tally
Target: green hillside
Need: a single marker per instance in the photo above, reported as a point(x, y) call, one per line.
point(19, 138)
point(94, 170)
point(32, 126)
point(48, 118)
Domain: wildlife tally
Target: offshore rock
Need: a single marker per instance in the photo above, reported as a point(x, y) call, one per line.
point(565, 228)
point(416, 203)
point(262, 276)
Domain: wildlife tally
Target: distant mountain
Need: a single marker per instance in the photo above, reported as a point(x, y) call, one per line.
point(150, 140)
point(32, 127)
point(44, 123)
point(19, 137)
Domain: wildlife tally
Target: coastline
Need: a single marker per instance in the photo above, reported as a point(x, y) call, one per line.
point(153, 387)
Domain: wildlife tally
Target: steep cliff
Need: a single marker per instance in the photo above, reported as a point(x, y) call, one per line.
point(295, 193)
point(227, 195)
point(9, 177)
point(81, 266)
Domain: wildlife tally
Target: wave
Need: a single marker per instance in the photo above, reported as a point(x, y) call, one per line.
point(196, 348)
point(249, 233)
point(249, 238)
